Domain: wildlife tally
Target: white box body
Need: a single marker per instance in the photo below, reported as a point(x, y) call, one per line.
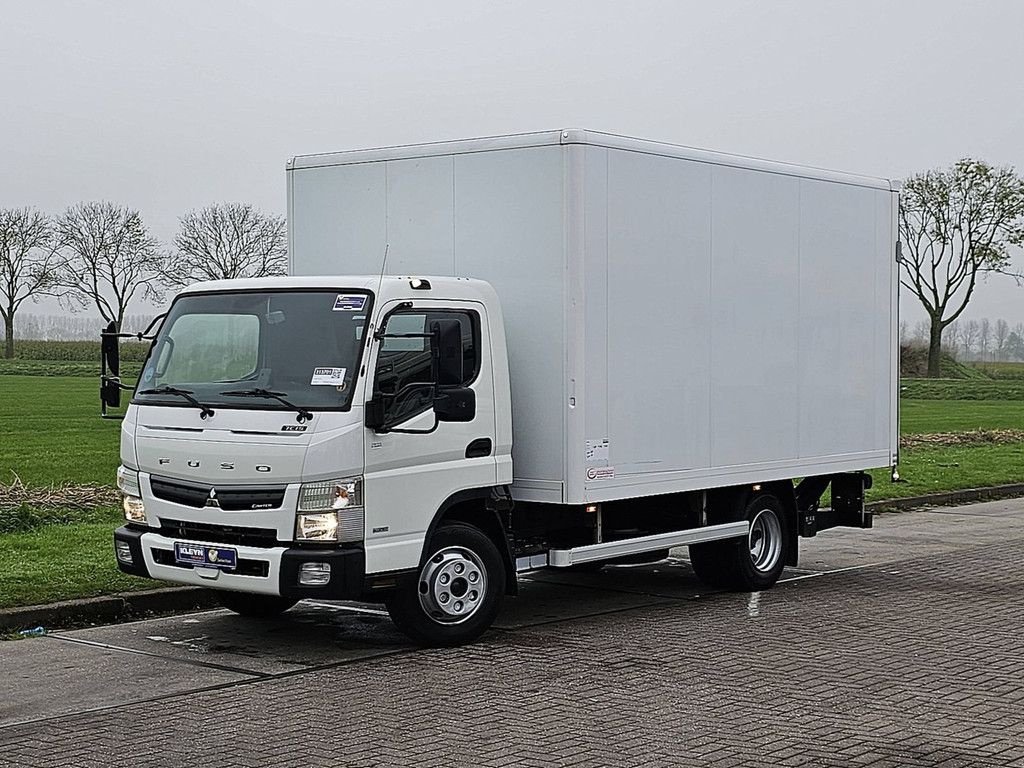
point(676, 319)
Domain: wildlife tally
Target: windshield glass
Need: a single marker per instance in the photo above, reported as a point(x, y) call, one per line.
point(302, 345)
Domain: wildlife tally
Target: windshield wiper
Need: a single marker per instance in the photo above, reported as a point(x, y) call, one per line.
point(304, 415)
point(205, 411)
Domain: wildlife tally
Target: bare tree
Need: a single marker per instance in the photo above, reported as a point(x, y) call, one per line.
point(1000, 334)
point(954, 225)
point(984, 337)
point(109, 258)
point(227, 240)
point(921, 331)
point(27, 263)
point(970, 335)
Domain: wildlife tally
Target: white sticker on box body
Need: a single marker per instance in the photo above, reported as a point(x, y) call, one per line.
point(328, 377)
point(597, 450)
point(600, 473)
point(350, 302)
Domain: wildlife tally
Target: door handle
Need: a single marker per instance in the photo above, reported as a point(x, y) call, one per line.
point(479, 448)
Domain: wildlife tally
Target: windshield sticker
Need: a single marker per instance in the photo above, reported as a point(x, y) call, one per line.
point(350, 302)
point(328, 377)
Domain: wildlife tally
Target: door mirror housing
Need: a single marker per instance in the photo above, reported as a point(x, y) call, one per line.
point(456, 404)
point(110, 367)
point(446, 347)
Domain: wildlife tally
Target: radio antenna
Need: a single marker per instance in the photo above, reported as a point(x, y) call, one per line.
point(383, 269)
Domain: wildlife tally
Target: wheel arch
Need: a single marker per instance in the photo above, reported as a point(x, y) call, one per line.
point(487, 509)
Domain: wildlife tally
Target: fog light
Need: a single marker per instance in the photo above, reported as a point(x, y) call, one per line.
point(123, 551)
point(134, 509)
point(315, 574)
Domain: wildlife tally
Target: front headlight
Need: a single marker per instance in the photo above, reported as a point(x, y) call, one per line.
point(128, 484)
point(330, 510)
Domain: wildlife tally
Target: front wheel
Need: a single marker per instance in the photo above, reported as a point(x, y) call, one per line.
point(751, 563)
point(456, 594)
point(255, 606)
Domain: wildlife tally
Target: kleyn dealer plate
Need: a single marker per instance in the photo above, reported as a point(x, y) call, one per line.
point(224, 558)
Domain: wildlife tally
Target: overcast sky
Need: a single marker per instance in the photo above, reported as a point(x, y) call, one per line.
point(171, 106)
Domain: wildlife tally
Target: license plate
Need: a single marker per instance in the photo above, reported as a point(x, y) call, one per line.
point(224, 558)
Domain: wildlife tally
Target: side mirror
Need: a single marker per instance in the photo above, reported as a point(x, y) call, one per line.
point(446, 346)
point(110, 367)
point(456, 404)
point(373, 416)
point(110, 349)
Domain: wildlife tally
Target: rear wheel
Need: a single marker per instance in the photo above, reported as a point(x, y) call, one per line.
point(458, 591)
point(255, 606)
point(751, 563)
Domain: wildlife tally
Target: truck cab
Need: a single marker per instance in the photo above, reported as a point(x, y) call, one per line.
point(301, 437)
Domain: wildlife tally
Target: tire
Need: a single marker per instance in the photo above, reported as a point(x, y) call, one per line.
point(255, 606)
point(457, 593)
point(747, 564)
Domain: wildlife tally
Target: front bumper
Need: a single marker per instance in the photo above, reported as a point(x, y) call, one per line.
point(271, 570)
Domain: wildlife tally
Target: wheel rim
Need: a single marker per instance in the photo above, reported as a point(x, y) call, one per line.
point(452, 585)
point(765, 539)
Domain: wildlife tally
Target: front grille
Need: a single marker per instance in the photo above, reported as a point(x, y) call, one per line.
point(218, 534)
point(230, 498)
point(246, 567)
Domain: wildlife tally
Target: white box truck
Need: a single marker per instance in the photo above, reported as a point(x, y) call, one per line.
point(560, 349)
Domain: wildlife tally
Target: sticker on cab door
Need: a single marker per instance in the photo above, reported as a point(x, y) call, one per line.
point(328, 377)
point(600, 473)
point(350, 302)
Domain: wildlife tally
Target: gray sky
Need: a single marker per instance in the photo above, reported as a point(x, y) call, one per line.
point(171, 106)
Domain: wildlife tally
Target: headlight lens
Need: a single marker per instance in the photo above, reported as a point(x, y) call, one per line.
point(128, 484)
point(134, 509)
point(128, 481)
point(331, 494)
point(331, 510)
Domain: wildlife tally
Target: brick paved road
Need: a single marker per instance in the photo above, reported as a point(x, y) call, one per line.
point(911, 663)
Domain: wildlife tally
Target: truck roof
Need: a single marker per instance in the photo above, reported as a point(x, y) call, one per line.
point(579, 136)
point(453, 287)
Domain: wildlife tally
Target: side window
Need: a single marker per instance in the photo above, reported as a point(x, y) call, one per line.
point(403, 375)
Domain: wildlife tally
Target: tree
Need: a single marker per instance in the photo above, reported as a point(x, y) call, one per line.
point(227, 240)
point(984, 337)
point(955, 224)
point(1001, 333)
point(27, 263)
point(970, 334)
point(109, 258)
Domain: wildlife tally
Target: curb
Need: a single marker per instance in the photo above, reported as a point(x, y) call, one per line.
point(107, 609)
point(948, 498)
point(125, 606)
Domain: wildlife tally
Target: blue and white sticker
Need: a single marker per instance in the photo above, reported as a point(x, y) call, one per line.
point(350, 302)
point(328, 377)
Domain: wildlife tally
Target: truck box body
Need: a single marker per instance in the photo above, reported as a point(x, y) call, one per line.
point(675, 319)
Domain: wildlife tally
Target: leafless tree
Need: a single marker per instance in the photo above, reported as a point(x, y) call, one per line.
point(984, 338)
point(955, 224)
point(27, 263)
point(921, 331)
point(109, 258)
point(227, 240)
point(970, 335)
point(904, 332)
point(1000, 334)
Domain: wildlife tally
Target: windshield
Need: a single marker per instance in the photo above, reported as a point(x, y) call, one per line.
point(221, 347)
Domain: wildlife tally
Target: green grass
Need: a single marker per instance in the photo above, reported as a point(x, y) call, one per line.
point(961, 389)
point(56, 368)
point(930, 469)
point(51, 432)
point(925, 416)
point(1001, 370)
point(61, 562)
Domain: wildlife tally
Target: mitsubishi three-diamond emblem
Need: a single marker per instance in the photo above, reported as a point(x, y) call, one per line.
point(212, 501)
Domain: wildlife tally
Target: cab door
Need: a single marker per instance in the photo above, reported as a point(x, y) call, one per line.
point(410, 474)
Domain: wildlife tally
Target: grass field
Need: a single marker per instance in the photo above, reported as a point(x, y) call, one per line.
point(50, 432)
